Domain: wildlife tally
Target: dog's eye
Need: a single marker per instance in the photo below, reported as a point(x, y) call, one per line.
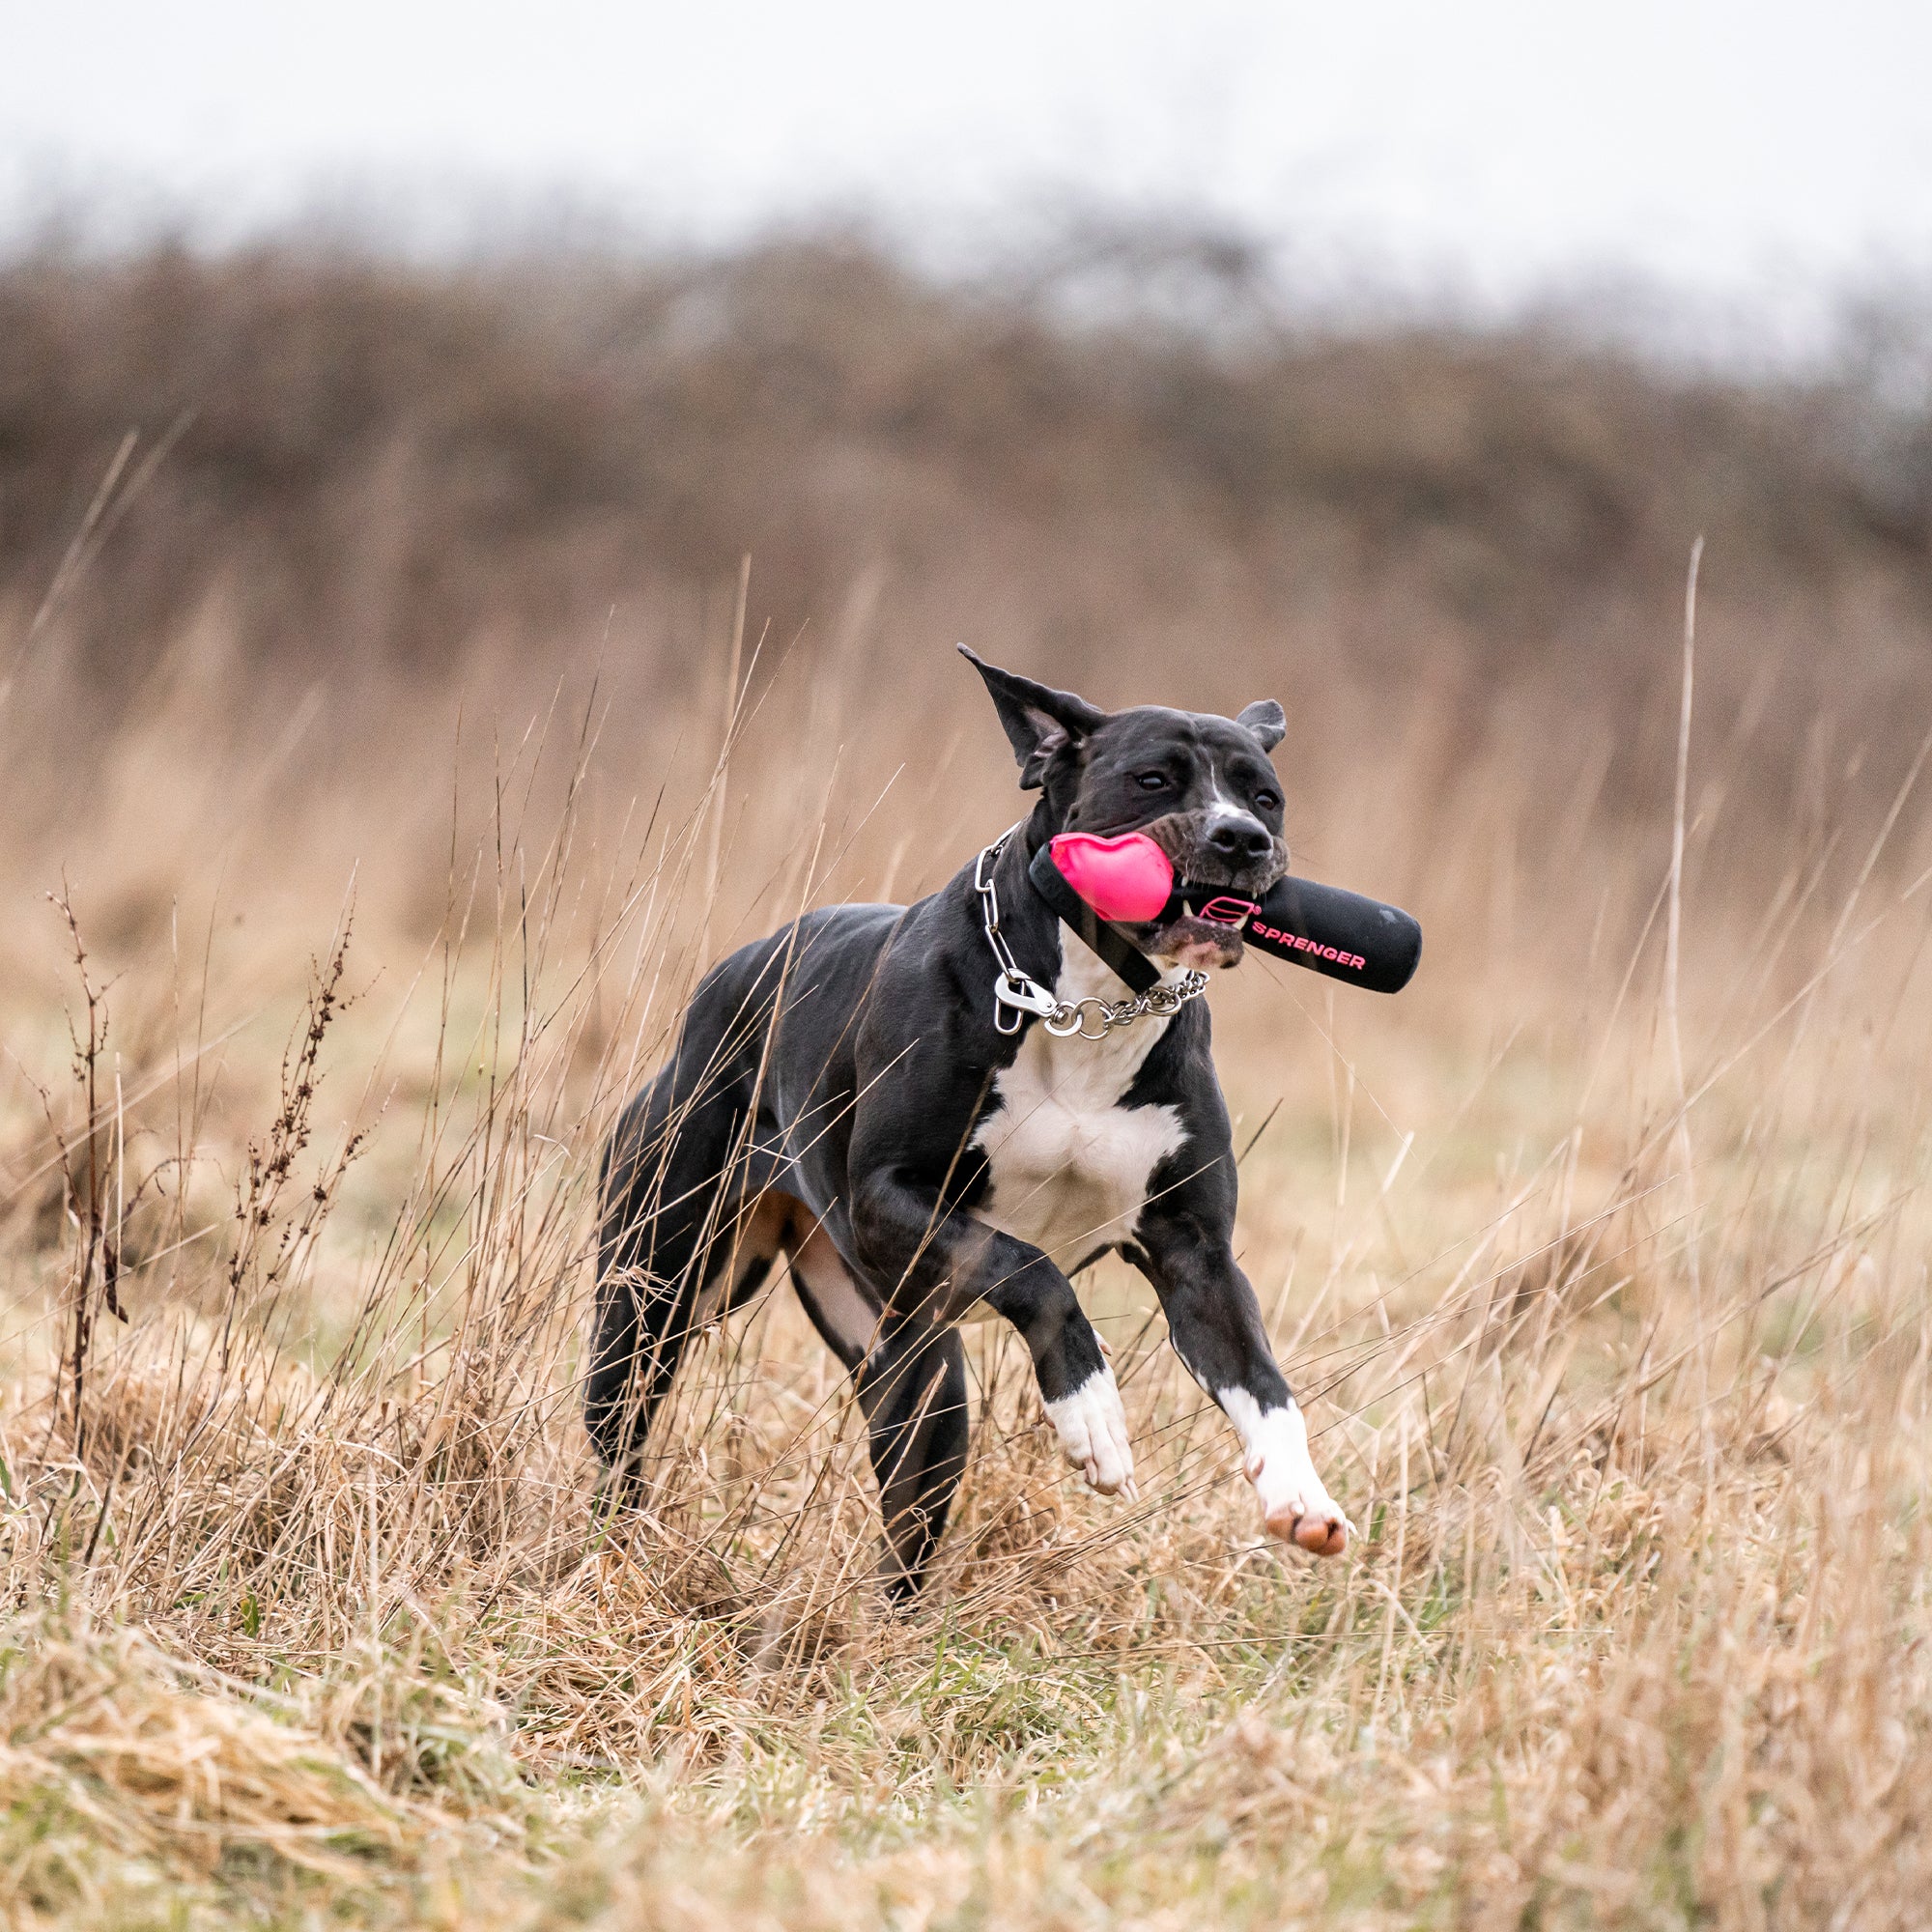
point(1267, 800)
point(1152, 781)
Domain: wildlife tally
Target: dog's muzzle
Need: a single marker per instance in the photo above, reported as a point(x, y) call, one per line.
point(1230, 860)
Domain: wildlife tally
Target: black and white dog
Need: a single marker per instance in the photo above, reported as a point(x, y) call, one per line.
point(851, 1094)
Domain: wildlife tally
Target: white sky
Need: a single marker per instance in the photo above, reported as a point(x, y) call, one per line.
point(1729, 149)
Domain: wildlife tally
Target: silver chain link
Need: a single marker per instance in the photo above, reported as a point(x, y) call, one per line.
point(1015, 995)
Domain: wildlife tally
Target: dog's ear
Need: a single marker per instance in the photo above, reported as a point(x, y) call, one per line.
point(1266, 719)
point(1036, 719)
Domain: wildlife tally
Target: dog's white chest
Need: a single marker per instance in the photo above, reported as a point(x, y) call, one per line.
point(1069, 1165)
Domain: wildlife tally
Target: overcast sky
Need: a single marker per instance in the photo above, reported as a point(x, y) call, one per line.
point(1729, 149)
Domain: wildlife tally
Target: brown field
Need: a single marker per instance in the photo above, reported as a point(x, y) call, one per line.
point(388, 735)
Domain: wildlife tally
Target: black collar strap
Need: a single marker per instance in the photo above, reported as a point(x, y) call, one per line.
point(1106, 938)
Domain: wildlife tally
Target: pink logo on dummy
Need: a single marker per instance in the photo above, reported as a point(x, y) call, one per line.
point(1227, 911)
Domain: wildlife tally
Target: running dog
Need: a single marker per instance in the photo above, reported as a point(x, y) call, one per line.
point(942, 1112)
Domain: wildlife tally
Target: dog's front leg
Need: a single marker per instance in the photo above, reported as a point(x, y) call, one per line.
point(1216, 1325)
point(934, 1263)
point(1076, 1381)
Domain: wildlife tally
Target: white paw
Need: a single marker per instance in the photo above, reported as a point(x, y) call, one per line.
point(1093, 1430)
point(1296, 1503)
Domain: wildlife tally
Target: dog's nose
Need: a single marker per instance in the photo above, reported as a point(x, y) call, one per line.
point(1240, 839)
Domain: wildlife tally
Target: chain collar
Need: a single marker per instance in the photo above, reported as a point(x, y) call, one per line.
point(1016, 996)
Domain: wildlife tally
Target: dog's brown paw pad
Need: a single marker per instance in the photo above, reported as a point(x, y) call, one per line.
point(1320, 1532)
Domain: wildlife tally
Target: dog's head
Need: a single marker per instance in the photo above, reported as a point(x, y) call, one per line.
point(1199, 786)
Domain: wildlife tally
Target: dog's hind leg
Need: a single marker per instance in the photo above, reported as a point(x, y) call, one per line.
point(846, 1313)
point(685, 1236)
point(913, 1393)
point(911, 1382)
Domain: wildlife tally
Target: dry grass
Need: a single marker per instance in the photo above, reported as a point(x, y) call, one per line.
point(311, 1614)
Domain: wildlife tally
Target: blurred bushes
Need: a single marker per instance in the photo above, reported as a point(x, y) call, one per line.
point(378, 463)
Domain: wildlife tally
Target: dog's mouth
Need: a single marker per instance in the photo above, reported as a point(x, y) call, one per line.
point(1207, 935)
point(1195, 942)
point(1201, 925)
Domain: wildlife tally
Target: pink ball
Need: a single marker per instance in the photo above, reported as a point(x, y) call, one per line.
point(1128, 878)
